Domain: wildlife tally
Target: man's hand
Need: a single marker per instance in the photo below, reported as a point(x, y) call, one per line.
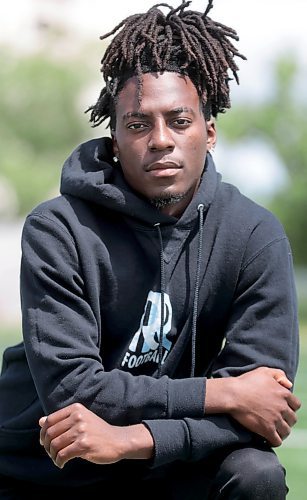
point(75, 431)
point(260, 400)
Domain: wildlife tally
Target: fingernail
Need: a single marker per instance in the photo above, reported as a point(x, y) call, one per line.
point(42, 420)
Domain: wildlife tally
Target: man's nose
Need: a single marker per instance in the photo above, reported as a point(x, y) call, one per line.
point(161, 137)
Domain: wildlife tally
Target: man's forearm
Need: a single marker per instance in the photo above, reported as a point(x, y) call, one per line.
point(139, 442)
point(219, 395)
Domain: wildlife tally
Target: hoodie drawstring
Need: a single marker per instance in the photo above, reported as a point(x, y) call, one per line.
point(200, 210)
point(162, 290)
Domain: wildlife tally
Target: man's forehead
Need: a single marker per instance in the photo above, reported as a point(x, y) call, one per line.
point(171, 91)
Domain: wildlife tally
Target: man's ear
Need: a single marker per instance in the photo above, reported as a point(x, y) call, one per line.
point(114, 144)
point(211, 134)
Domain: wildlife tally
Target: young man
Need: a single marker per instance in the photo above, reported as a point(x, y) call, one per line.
point(159, 311)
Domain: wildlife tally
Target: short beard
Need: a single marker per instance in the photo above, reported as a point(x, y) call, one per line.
point(166, 200)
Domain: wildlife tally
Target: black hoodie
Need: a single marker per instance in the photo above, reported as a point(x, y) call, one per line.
point(101, 271)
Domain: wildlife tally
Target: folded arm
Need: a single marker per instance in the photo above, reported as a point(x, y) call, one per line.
point(260, 400)
point(262, 331)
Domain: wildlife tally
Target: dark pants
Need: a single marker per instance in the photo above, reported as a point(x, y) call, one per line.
point(242, 474)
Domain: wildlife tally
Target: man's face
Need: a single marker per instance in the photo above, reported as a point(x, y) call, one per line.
point(162, 143)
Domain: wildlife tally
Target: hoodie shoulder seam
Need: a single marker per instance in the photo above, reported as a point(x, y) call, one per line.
point(49, 219)
point(276, 240)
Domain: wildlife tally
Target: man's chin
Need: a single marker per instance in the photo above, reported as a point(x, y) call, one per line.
point(166, 200)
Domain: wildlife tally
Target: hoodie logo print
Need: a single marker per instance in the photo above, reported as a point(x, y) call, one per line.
point(145, 343)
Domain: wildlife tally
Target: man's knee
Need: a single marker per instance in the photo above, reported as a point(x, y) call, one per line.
point(252, 474)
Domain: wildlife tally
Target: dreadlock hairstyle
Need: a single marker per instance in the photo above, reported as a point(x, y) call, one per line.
point(183, 41)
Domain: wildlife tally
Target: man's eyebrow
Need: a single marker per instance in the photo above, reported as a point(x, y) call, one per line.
point(141, 115)
point(182, 109)
point(134, 114)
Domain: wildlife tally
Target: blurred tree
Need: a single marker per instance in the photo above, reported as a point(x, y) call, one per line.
point(282, 123)
point(39, 123)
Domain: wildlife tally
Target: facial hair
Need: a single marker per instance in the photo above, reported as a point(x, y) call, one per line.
point(168, 199)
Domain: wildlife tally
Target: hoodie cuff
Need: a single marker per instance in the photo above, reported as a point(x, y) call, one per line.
point(186, 397)
point(172, 441)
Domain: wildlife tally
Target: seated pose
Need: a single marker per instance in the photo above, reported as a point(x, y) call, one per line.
point(158, 302)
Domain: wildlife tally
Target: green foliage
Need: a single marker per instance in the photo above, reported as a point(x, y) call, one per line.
point(280, 122)
point(39, 123)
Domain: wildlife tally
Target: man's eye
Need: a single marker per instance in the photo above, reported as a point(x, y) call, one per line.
point(136, 126)
point(182, 122)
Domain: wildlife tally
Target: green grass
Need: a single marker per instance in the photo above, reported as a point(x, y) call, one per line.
point(292, 456)
point(295, 463)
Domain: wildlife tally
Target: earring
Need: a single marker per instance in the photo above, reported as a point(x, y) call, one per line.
point(115, 159)
point(211, 147)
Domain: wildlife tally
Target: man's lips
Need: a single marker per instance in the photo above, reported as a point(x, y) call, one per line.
point(162, 165)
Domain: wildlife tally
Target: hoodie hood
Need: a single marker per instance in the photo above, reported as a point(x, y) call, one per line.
point(90, 174)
